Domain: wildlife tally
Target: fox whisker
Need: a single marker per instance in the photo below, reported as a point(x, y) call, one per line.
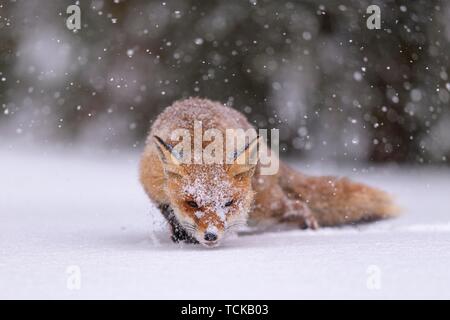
point(239, 221)
point(235, 225)
point(188, 227)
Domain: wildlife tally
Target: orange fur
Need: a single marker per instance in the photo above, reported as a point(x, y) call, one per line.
point(287, 196)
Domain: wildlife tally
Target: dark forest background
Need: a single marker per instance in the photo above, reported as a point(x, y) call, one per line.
point(334, 88)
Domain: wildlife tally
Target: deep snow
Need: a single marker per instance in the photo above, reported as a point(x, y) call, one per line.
point(60, 211)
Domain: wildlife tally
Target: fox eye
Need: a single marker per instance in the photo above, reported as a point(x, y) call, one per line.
point(192, 204)
point(229, 203)
point(174, 175)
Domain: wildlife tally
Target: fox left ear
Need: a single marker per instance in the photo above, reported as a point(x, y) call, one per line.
point(169, 158)
point(246, 160)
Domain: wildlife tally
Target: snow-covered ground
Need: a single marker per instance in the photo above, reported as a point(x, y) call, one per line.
point(78, 226)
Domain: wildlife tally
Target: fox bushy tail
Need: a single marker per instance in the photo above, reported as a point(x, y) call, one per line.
point(337, 201)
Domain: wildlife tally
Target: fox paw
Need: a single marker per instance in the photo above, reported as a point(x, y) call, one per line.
point(299, 211)
point(311, 222)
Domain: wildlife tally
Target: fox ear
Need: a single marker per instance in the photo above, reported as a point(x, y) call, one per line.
point(245, 160)
point(168, 156)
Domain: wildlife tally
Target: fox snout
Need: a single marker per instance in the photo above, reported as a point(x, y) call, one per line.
point(210, 237)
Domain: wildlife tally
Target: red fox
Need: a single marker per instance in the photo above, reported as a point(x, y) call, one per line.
point(204, 202)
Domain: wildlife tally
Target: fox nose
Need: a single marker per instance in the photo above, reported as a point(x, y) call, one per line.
point(210, 236)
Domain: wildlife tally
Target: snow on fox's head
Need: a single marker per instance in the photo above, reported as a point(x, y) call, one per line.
point(209, 200)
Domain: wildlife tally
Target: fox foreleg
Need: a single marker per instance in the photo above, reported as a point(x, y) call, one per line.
point(178, 232)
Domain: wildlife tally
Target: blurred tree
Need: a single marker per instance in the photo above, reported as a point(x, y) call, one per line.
point(335, 88)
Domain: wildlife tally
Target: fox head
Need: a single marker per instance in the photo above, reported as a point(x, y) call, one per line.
point(209, 200)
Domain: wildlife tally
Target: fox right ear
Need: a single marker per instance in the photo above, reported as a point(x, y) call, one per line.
point(171, 162)
point(244, 161)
